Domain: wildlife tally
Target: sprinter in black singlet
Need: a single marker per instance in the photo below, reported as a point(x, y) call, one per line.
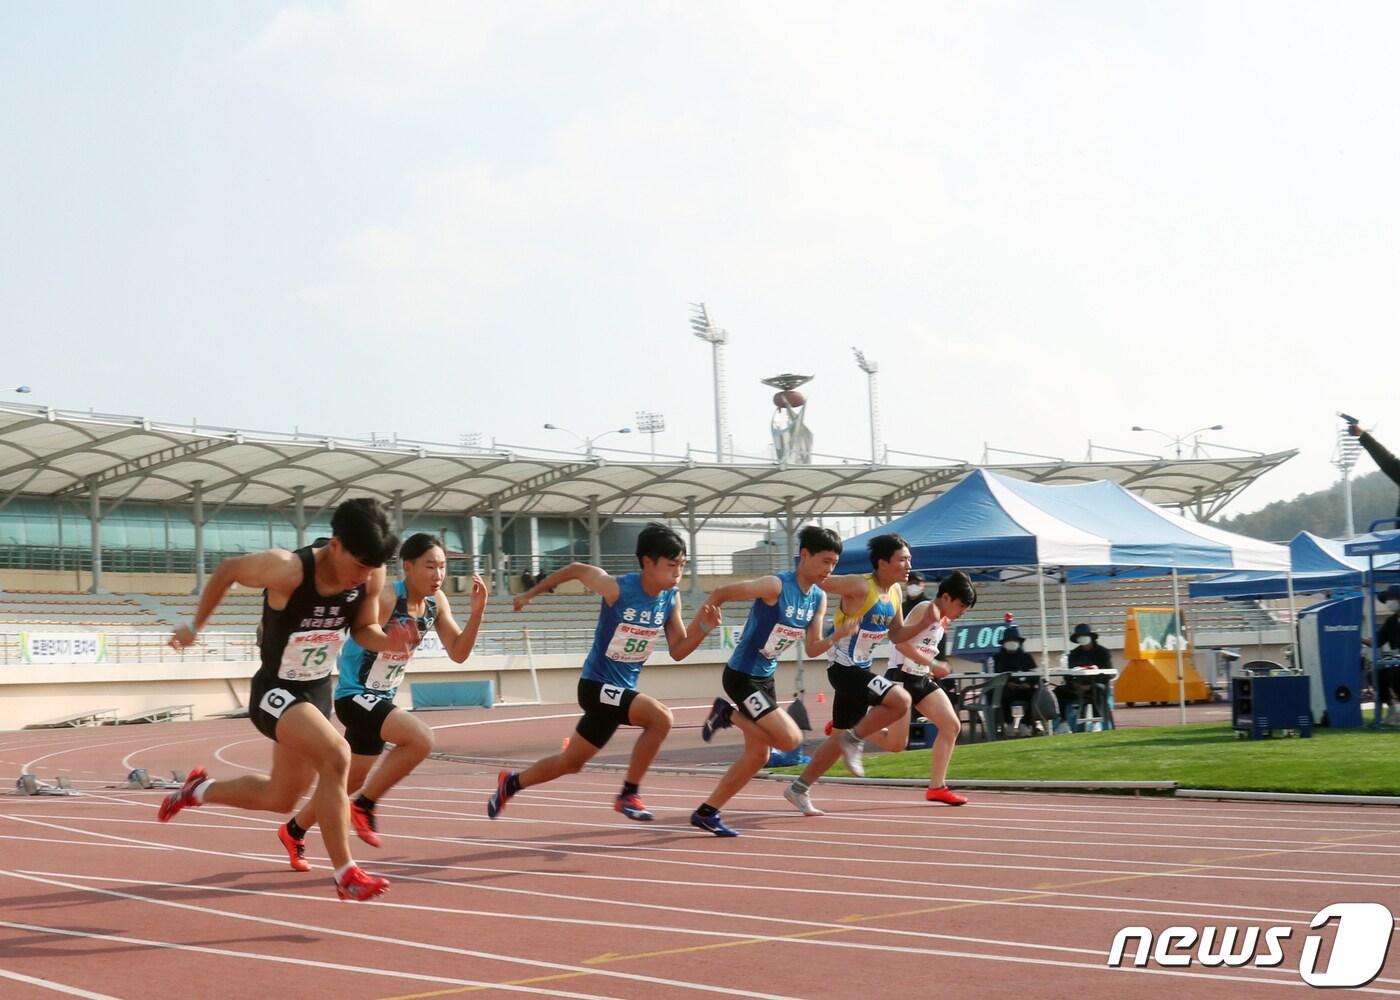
point(310, 598)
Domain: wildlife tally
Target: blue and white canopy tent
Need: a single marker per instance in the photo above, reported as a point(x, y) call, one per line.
point(1088, 531)
point(1319, 565)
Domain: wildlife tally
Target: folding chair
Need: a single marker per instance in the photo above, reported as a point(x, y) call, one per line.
point(982, 701)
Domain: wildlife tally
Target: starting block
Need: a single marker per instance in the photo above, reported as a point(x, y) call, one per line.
point(141, 778)
point(28, 784)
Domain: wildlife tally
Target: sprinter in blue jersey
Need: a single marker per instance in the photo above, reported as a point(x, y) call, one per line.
point(787, 608)
point(865, 703)
point(637, 609)
point(364, 693)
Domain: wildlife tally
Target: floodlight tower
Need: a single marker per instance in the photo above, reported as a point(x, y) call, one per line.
point(870, 368)
point(651, 424)
point(704, 328)
point(1348, 451)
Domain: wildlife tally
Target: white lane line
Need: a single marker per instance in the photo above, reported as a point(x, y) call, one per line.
point(1269, 976)
point(380, 904)
point(611, 973)
point(966, 817)
point(526, 848)
point(128, 763)
point(28, 768)
point(219, 755)
point(306, 962)
point(1032, 900)
point(378, 941)
point(402, 811)
point(49, 984)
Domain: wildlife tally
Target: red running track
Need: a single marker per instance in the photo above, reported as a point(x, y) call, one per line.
point(886, 895)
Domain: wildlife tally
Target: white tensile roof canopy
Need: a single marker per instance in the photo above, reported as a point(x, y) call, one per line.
point(67, 455)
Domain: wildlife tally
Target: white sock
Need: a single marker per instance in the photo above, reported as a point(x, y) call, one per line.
point(340, 872)
point(201, 789)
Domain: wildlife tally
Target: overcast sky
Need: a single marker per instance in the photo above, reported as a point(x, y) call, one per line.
point(1046, 221)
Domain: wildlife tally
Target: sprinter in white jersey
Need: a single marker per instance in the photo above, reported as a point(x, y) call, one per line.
point(637, 609)
point(364, 694)
point(915, 665)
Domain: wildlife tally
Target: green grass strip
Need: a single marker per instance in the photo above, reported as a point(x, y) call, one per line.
point(1204, 755)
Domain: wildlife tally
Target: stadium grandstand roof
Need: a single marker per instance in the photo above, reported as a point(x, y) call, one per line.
point(72, 455)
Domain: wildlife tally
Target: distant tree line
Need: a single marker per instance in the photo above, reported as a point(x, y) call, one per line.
point(1323, 512)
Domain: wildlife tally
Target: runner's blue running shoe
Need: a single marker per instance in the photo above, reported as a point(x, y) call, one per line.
point(718, 719)
point(496, 804)
point(633, 808)
point(712, 824)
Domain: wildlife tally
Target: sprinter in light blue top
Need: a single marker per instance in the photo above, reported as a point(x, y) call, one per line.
point(628, 630)
point(637, 608)
point(364, 695)
point(363, 671)
point(772, 628)
point(787, 607)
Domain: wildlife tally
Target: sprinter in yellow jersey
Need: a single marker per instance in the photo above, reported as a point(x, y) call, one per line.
point(866, 704)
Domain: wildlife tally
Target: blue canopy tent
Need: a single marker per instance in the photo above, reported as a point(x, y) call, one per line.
point(1087, 531)
point(1319, 564)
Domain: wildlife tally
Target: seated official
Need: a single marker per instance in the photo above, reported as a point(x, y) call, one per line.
point(1086, 652)
point(1012, 658)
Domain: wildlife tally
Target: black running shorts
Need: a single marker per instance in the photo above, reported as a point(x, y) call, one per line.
point(754, 696)
point(857, 691)
point(605, 707)
point(269, 700)
point(363, 716)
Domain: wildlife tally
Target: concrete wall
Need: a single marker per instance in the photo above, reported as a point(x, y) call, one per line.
point(36, 693)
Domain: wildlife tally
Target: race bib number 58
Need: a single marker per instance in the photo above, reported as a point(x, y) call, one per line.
point(632, 643)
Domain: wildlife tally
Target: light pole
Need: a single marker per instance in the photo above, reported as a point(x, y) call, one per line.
point(870, 368)
point(651, 424)
point(1348, 451)
point(1177, 439)
point(588, 441)
point(703, 327)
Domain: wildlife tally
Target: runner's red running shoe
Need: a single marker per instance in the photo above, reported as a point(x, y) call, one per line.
point(633, 808)
point(365, 826)
point(357, 886)
point(176, 801)
point(945, 795)
point(296, 850)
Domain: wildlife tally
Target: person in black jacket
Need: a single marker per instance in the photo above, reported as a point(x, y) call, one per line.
point(1388, 678)
point(1086, 652)
point(1013, 658)
point(1388, 463)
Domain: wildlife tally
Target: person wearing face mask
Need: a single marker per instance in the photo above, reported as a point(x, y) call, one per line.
point(1085, 652)
point(913, 592)
point(1388, 678)
point(1013, 658)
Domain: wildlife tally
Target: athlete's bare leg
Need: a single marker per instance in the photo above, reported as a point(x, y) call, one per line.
point(940, 711)
point(888, 714)
point(360, 766)
point(655, 720)
point(412, 740)
point(776, 729)
point(568, 761)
